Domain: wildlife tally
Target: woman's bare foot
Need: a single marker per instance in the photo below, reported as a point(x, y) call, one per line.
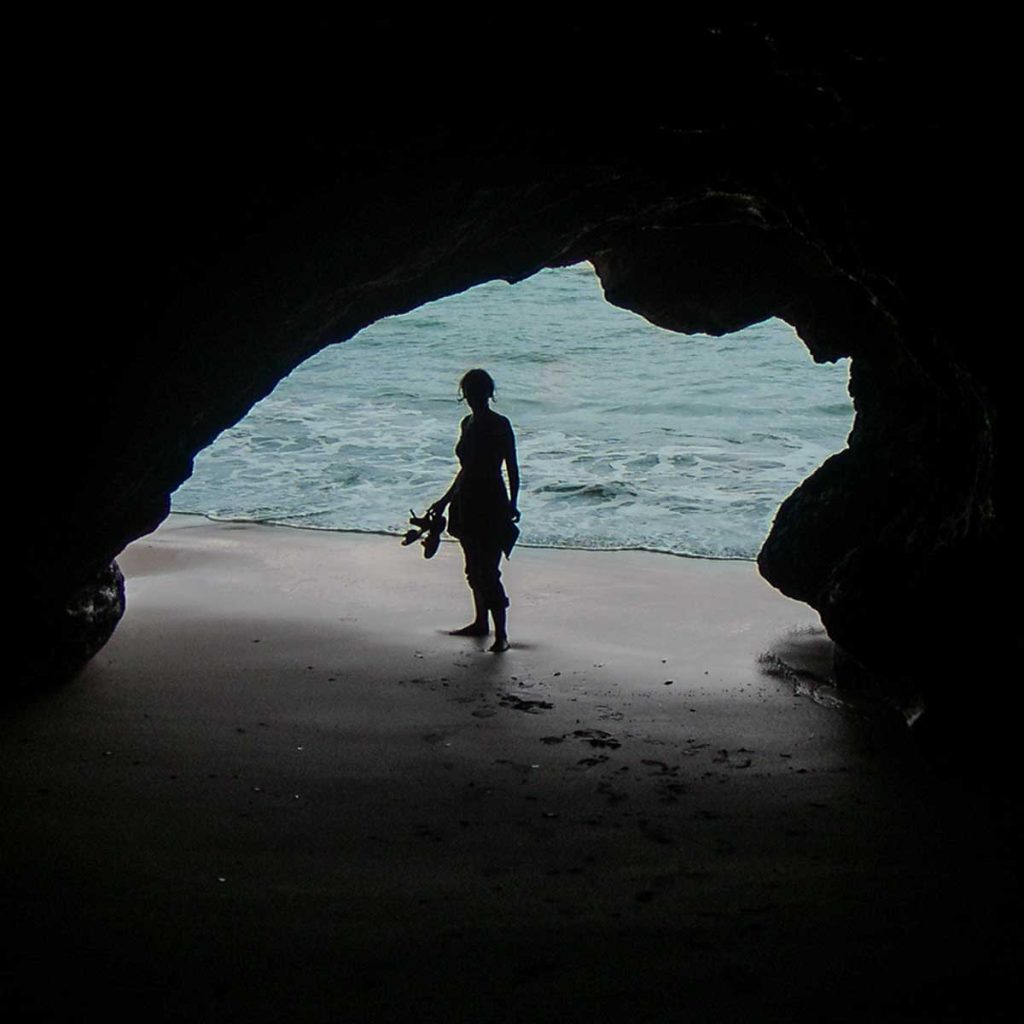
point(500, 644)
point(473, 629)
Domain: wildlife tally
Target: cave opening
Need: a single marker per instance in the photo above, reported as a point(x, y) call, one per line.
point(630, 435)
point(204, 824)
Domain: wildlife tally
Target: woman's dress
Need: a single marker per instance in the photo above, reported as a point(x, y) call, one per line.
point(480, 510)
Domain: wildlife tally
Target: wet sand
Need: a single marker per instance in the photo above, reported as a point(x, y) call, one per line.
point(282, 793)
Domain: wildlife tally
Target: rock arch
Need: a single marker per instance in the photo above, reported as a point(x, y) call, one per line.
point(220, 249)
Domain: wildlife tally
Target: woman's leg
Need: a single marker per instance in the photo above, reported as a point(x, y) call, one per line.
point(478, 627)
point(495, 598)
point(500, 630)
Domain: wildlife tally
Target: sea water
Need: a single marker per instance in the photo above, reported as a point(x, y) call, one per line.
point(630, 436)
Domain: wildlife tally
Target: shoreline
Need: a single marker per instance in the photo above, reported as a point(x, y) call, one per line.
point(520, 545)
point(282, 792)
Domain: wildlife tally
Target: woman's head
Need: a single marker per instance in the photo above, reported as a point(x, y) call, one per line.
point(476, 387)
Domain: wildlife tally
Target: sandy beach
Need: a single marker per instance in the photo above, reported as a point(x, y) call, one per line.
point(282, 792)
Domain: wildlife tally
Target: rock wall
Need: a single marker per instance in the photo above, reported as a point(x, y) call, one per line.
point(226, 204)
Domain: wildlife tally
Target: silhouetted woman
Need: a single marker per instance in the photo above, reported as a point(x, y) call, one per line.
point(482, 515)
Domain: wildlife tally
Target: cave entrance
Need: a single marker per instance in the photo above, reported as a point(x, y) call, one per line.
point(630, 435)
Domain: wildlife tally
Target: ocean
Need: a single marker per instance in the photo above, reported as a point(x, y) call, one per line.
point(630, 436)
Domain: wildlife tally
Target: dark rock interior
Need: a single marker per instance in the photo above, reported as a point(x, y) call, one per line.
point(211, 207)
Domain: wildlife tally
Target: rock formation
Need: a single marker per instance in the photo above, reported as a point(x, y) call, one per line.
point(215, 208)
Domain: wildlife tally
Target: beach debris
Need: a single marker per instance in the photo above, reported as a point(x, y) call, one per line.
point(598, 738)
point(531, 707)
point(669, 682)
point(517, 766)
point(551, 740)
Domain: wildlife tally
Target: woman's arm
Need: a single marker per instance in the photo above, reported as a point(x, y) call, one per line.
point(442, 503)
point(512, 468)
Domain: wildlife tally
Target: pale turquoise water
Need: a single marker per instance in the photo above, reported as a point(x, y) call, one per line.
point(629, 435)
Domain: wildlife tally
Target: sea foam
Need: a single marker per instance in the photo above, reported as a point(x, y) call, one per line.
point(630, 436)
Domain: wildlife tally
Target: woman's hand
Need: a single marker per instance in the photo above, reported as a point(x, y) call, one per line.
point(439, 506)
point(515, 513)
